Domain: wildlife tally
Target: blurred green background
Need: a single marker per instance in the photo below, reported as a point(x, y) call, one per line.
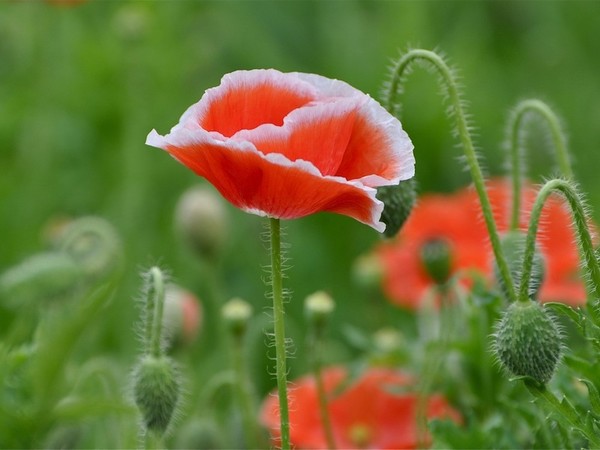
point(81, 87)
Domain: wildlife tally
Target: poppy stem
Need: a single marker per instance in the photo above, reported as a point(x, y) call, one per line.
point(279, 330)
point(515, 130)
point(448, 82)
point(584, 239)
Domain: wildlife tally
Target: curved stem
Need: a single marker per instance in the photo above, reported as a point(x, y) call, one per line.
point(515, 129)
point(279, 329)
point(568, 189)
point(451, 87)
point(154, 325)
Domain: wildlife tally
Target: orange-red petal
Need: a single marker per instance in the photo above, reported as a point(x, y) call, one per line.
point(269, 184)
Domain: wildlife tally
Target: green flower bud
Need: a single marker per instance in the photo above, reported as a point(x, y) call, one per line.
point(513, 246)
point(398, 202)
point(528, 341)
point(201, 220)
point(42, 277)
point(436, 257)
point(156, 391)
point(237, 313)
point(318, 307)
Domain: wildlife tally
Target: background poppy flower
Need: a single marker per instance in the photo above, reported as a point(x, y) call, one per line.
point(456, 219)
point(371, 412)
point(286, 145)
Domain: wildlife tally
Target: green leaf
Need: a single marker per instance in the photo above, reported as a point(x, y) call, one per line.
point(594, 395)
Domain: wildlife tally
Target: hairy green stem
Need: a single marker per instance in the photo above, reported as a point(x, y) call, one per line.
point(515, 129)
point(449, 83)
point(584, 238)
point(156, 301)
point(279, 329)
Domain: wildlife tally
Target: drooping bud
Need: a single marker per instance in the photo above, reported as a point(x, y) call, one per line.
point(156, 391)
point(201, 220)
point(95, 245)
point(513, 246)
point(318, 307)
point(436, 257)
point(398, 202)
point(41, 277)
point(528, 341)
point(237, 313)
point(182, 316)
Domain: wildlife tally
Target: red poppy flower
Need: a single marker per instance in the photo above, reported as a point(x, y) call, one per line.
point(456, 219)
point(286, 145)
point(376, 411)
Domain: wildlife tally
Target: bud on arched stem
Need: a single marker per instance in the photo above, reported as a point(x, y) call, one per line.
point(574, 199)
point(448, 82)
point(515, 131)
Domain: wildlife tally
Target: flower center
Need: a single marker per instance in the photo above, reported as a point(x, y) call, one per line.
point(360, 434)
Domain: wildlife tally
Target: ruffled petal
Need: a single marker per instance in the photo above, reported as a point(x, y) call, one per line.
point(271, 184)
point(318, 133)
point(379, 152)
point(247, 99)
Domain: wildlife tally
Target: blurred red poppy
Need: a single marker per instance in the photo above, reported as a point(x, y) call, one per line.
point(457, 220)
point(286, 145)
point(376, 411)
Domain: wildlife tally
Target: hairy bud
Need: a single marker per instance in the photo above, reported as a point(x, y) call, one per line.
point(156, 391)
point(398, 202)
point(528, 341)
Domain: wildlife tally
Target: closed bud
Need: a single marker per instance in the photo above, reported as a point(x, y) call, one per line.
point(318, 307)
point(237, 313)
point(156, 391)
point(513, 247)
point(528, 341)
point(436, 258)
point(42, 277)
point(200, 219)
point(398, 202)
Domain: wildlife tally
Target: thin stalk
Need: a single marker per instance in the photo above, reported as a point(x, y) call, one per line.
point(321, 393)
point(244, 395)
point(584, 238)
point(154, 326)
point(279, 329)
point(558, 139)
point(456, 110)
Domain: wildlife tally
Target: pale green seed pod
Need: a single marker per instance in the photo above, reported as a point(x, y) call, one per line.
point(399, 201)
point(513, 246)
point(156, 391)
point(318, 307)
point(528, 341)
point(237, 313)
point(42, 277)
